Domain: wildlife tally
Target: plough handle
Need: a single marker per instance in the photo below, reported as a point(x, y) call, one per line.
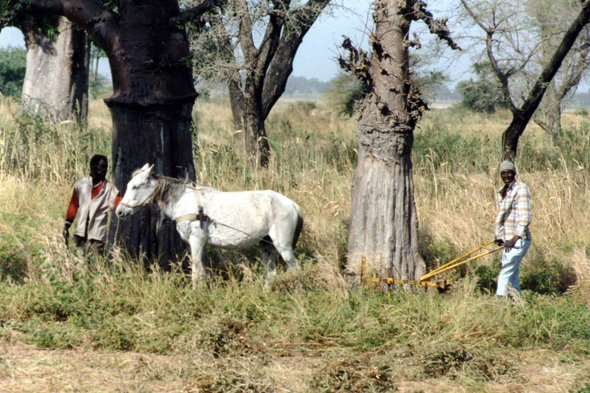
point(455, 262)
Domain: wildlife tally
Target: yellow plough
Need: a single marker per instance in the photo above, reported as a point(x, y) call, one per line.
point(425, 280)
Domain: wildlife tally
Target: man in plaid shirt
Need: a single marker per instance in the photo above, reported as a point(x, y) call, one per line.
point(512, 227)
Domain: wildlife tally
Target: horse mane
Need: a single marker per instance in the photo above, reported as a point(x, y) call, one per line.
point(136, 172)
point(168, 188)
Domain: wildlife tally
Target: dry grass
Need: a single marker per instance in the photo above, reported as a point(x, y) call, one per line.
point(581, 267)
point(120, 327)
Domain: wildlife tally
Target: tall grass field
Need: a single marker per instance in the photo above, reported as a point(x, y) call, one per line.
point(68, 324)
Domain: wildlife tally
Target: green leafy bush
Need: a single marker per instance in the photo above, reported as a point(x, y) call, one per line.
point(346, 94)
point(484, 94)
point(13, 65)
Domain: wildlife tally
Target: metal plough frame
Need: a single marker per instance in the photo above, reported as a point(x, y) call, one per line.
point(425, 280)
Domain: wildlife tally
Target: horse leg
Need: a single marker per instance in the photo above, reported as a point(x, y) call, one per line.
point(283, 242)
point(289, 257)
point(269, 259)
point(197, 244)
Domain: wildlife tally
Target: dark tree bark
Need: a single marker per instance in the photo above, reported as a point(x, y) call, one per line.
point(268, 67)
point(236, 99)
point(384, 222)
point(56, 81)
point(151, 104)
point(151, 109)
point(523, 114)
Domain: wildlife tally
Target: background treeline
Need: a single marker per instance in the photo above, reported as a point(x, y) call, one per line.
point(480, 93)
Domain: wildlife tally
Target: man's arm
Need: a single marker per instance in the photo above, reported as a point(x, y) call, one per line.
point(118, 200)
point(523, 207)
point(71, 215)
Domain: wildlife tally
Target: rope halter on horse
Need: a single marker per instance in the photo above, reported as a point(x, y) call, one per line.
point(148, 200)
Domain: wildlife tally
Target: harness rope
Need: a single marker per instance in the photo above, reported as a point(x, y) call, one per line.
point(202, 218)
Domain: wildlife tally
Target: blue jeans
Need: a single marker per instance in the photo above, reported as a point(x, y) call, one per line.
point(510, 265)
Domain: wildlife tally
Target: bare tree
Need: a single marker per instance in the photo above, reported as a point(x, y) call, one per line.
point(384, 222)
point(552, 18)
point(56, 82)
point(152, 101)
point(280, 28)
point(511, 53)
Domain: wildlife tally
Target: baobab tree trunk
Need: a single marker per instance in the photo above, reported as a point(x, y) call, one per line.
point(384, 224)
point(56, 80)
point(151, 105)
point(151, 111)
point(163, 132)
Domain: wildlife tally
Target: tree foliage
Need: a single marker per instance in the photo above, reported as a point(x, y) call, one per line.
point(348, 91)
point(13, 65)
point(484, 94)
point(346, 94)
point(251, 46)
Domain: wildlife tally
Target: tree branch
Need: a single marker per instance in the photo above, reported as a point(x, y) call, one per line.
point(272, 36)
point(358, 62)
point(519, 122)
point(91, 15)
point(475, 17)
point(9, 16)
point(297, 24)
point(502, 76)
point(551, 69)
point(245, 30)
point(195, 12)
point(437, 27)
point(542, 124)
point(574, 77)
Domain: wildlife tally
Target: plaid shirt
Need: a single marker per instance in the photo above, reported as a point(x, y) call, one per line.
point(514, 212)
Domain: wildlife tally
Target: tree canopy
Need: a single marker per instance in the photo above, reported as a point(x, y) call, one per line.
point(484, 93)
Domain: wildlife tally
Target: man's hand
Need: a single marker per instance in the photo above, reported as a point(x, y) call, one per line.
point(510, 243)
point(66, 232)
point(498, 242)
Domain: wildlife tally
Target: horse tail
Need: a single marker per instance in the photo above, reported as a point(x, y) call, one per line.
point(299, 226)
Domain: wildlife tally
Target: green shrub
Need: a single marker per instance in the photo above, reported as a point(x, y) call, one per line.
point(484, 94)
point(546, 277)
point(13, 65)
point(487, 276)
point(346, 93)
point(13, 264)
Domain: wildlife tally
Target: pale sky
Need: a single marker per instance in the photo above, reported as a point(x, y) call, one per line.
point(316, 55)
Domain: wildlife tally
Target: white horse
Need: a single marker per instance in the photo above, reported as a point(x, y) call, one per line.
point(205, 215)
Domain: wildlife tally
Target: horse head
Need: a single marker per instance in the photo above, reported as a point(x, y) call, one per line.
point(140, 190)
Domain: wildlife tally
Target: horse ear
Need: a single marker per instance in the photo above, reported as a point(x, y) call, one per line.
point(145, 167)
point(151, 169)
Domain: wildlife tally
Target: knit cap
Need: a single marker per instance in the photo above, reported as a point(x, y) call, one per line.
point(507, 166)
